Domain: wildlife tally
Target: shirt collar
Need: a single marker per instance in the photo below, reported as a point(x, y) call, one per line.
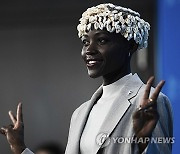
point(111, 89)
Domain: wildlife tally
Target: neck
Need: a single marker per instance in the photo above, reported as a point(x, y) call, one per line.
point(114, 76)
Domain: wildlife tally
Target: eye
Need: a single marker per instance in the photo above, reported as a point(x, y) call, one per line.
point(85, 42)
point(102, 41)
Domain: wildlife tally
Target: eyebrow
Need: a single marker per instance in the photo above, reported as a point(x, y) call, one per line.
point(101, 32)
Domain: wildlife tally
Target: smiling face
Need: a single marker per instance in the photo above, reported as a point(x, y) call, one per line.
point(105, 54)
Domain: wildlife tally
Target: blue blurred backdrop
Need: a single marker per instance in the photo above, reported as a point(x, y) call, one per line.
point(168, 57)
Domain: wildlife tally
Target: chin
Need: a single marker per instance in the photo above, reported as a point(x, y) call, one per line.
point(93, 74)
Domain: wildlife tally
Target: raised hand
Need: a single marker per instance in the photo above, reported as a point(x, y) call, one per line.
point(146, 117)
point(15, 132)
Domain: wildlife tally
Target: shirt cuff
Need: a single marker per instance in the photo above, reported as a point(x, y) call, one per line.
point(27, 151)
point(145, 150)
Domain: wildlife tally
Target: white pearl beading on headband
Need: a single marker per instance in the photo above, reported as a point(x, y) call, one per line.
point(115, 19)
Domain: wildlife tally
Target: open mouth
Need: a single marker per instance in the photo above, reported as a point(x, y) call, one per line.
point(90, 62)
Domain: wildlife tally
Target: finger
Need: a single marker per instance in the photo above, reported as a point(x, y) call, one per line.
point(12, 117)
point(149, 105)
point(10, 127)
point(4, 130)
point(148, 87)
point(157, 90)
point(138, 113)
point(19, 113)
point(150, 109)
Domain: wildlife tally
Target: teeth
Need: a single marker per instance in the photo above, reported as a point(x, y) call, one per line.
point(92, 62)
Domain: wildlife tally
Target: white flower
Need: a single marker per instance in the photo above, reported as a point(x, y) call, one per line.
point(104, 19)
point(109, 21)
point(123, 27)
point(88, 27)
point(111, 18)
point(118, 30)
point(129, 16)
point(134, 36)
point(84, 21)
point(145, 35)
point(135, 29)
point(132, 19)
point(120, 14)
point(83, 27)
point(112, 30)
point(116, 23)
point(101, 25)
point(101, 6)
point(117, 26)
point(113, 23)
point(99, 19)
point(108, 27)
point(145, 44)
point(116, 17)
point(130, 36)
point(96, 25)
point(78, 27)
point(125, 9)
point(92, 19)
point(121, 20)
point(118, 7)
point(137, 18)
point(140, 25)
point(127, 21)
point(142, 32)
point(126, 35)
point(111, 5)
point(138, 38)
point(114, 11)
point(128, 29)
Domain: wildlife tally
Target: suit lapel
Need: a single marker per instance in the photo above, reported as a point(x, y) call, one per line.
point(82, 118)
point(119, 107)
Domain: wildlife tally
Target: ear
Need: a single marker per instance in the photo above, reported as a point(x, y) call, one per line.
point(133, 46)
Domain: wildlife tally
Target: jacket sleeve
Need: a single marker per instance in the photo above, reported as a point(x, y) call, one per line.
point(162, 136)
point(27, 151)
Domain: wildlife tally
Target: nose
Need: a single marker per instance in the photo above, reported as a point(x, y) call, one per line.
point(91, 49)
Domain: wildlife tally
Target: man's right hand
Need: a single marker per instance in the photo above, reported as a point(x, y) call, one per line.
point(15, 132)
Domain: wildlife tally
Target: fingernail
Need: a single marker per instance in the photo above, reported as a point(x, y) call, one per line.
point(152, 77)
point(163, 82)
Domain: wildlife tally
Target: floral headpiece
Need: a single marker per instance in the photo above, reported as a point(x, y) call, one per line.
point(116, 19)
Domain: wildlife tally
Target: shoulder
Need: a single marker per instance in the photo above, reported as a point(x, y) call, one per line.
point(79, 109)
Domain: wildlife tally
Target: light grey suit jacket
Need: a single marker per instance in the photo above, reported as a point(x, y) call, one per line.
point(118, 122)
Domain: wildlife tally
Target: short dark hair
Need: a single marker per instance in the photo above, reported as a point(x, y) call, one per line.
point(51, 148)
